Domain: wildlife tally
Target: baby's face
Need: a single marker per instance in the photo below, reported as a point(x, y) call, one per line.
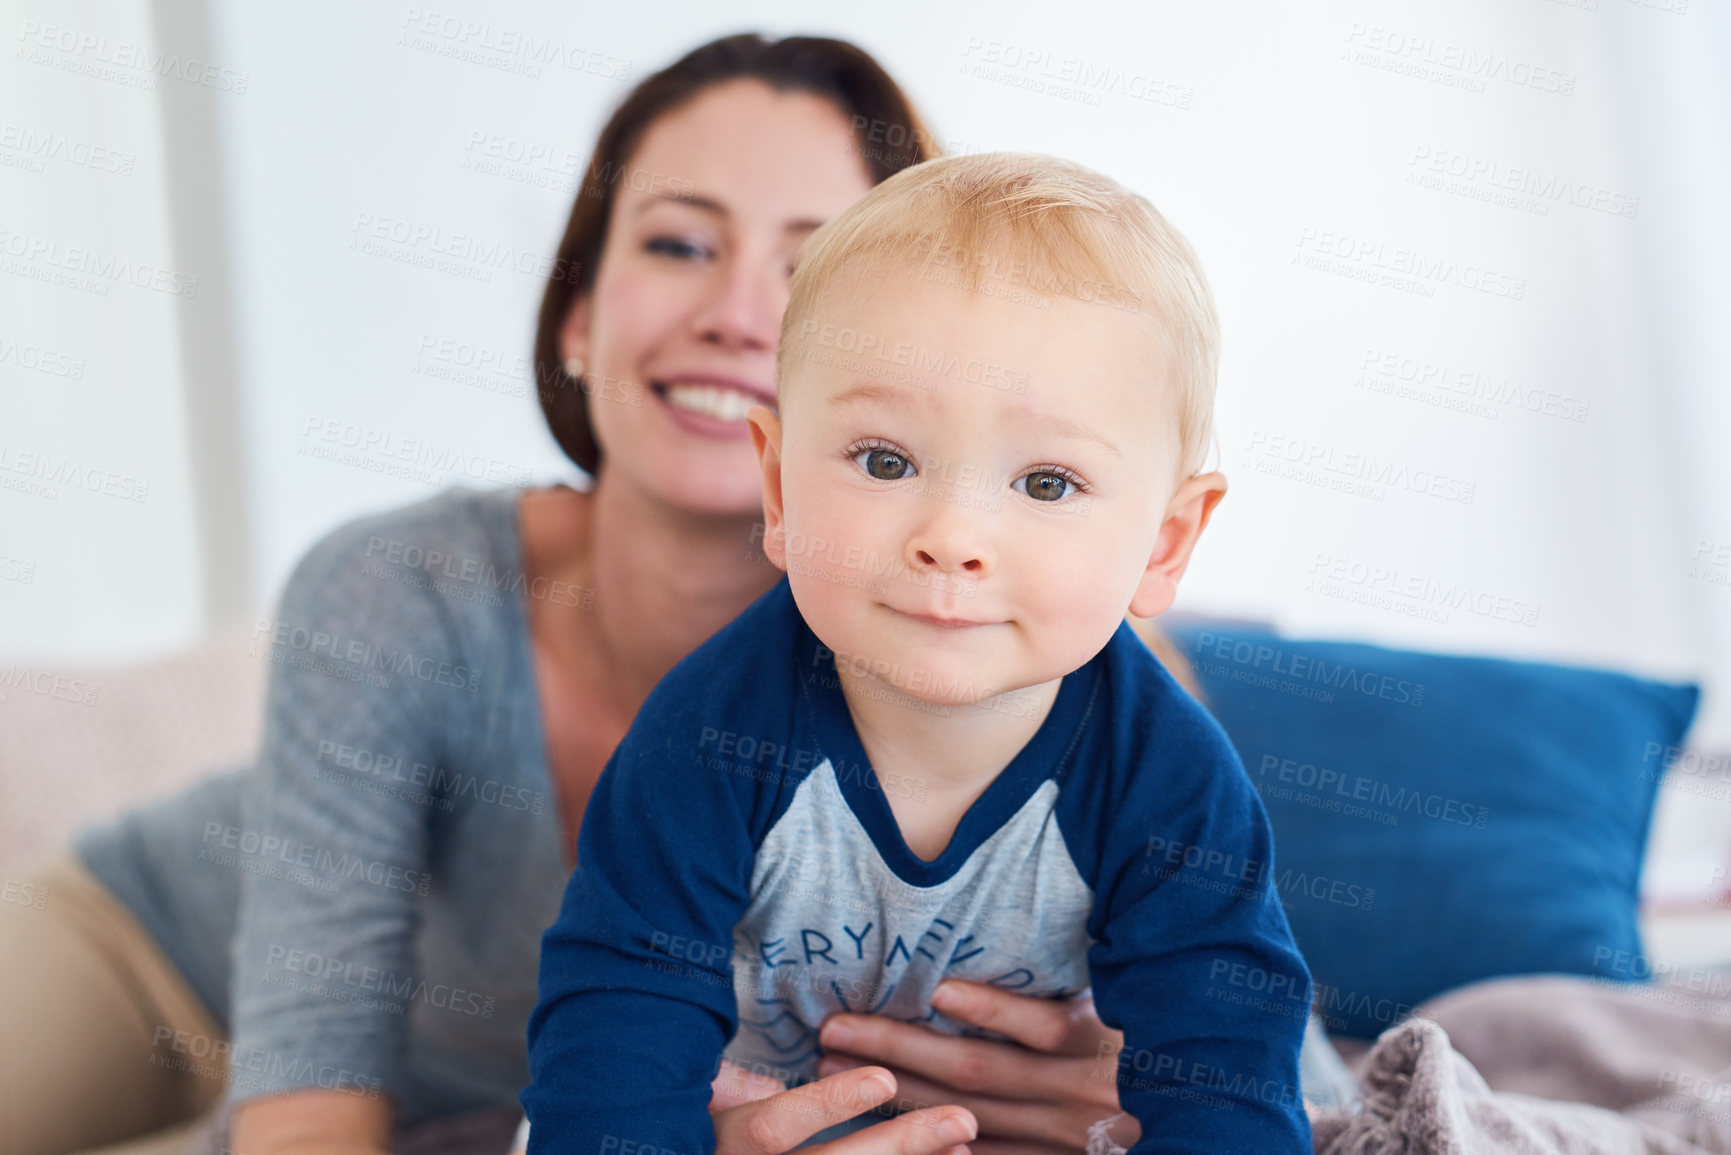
point(969, 456)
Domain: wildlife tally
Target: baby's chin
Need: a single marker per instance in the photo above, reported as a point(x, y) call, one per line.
point(937, 702)
point(928, 668)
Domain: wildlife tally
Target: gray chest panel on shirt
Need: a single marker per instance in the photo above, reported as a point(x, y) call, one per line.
point(830, 927)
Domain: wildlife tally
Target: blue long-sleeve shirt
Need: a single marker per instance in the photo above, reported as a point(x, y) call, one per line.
point(741, 875)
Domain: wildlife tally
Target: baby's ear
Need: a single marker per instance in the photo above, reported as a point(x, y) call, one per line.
point(1187, 513)
point(766, 439)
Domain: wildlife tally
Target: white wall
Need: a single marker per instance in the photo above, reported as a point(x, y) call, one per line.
point(99, 555)
point(1269, 133)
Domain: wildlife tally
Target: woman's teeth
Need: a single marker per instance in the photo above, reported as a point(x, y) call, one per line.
point(711, 401)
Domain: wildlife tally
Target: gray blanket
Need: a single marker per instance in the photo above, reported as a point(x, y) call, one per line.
point(1543, 1065)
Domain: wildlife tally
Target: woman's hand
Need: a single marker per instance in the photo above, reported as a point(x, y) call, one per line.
point(1040, 1096)
point(757, 1115)
point(754, 1115)
point(312, 1122)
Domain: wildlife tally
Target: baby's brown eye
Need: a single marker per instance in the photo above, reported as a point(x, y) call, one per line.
point(1048, 486)
point(885, 464)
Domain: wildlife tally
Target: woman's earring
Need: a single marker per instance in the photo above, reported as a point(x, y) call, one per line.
point(574, 368)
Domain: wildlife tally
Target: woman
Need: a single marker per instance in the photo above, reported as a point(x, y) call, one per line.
point(347, 931)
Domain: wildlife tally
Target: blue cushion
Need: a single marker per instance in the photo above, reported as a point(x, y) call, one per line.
point(1440, 820)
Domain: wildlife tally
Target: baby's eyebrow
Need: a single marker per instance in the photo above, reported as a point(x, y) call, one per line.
point(1046, 422)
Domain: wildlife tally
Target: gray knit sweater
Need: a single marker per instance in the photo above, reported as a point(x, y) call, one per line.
point(362, 907)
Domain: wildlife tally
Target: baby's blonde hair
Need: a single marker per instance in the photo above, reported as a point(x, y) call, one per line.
point(1075, 232)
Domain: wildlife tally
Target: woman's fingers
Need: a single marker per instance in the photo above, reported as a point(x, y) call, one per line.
point(1061, 1126)
point(780, 1122)
point(930, 1131)
point(735, 1085)
point(1003, 1147)
point(1058, 1027)
point(1048, 1086)
point(978, 1066)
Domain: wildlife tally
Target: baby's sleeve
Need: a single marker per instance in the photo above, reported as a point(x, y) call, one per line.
point(1194, 960)
point(636, 981)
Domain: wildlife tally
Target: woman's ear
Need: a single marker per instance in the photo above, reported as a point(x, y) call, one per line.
point(1186, 515)
point(766, 439)
point(574, 333)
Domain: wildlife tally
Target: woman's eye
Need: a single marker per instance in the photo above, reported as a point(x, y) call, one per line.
point(884, 464)
point(674, 247)
point(1043, 486)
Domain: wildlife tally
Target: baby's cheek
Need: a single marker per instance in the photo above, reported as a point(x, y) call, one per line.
point(1080, 603)
point(833, 559)
point(854, 531)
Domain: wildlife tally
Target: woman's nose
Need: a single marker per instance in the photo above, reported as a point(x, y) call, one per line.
point(743, 308)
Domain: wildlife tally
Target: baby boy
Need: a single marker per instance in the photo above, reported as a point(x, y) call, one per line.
point(936, 749)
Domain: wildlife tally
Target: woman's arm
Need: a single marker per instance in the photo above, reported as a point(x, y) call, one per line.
point(335, 873)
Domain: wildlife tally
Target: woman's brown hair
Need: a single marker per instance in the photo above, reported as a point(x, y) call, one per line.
point(889, 133)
